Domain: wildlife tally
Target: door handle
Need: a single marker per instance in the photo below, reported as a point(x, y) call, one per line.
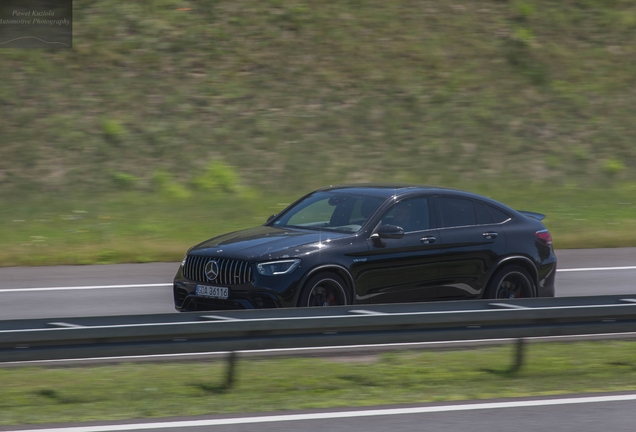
point(428, 240)
point(490, 235)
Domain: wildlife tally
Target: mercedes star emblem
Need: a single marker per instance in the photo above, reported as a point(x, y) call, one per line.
point(212, 269)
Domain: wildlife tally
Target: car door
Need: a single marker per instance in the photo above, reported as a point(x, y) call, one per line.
point(471, 242)
point(404, 268)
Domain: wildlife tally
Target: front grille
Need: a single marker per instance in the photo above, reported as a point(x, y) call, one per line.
point(231, 272)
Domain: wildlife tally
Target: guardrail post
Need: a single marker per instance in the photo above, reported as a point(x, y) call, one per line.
point(231, 365)
point(519, 355)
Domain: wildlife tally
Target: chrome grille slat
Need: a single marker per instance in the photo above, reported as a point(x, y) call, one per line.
point(235, 265)
point(231, 271)
point(201, 269)
point(240, 272)
point(226, 265)
point(228, 271)
point(221, 277)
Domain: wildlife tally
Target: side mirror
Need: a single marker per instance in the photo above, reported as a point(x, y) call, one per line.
point(271, 218)
point(390, 231)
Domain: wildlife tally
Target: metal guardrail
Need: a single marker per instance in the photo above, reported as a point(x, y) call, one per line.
point(72, 338)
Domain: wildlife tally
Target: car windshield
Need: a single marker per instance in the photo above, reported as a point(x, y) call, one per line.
point(330, 211)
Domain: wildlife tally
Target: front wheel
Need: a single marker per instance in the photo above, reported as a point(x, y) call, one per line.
point(324, 289)
point(511, 282)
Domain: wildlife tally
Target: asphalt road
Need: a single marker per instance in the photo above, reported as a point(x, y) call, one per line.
point(564, 414)
point(68, 291)
point(134, 289)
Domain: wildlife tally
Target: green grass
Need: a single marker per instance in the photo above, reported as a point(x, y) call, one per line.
point(296, 94)
point(175, 120)
point(127, 227)
point(127, 391)
point(135, 227)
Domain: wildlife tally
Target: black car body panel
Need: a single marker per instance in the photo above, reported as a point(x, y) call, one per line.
point(453, 245)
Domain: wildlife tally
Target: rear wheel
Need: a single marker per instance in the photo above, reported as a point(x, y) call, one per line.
point(324, 289)
point(511, 282)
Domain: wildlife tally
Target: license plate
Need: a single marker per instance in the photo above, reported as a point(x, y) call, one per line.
point(212, 291)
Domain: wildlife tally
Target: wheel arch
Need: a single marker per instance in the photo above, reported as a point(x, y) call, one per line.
point(340, 270)
point(519, 260)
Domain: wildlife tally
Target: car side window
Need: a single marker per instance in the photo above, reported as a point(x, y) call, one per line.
point(497, 215)
point(410, 215)
point(483, 216)
point(457, 212)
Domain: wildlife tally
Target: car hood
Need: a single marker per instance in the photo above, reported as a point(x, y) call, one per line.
point(266, 242)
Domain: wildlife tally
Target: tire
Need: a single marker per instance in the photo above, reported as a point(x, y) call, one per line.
point(324, 289)
point(511, 282)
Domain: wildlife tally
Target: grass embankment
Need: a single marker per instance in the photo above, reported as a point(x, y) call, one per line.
point(150, 134)
point(40, 395)
point(131, 227)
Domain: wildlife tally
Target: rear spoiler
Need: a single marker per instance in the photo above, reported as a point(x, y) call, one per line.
point(534, 215)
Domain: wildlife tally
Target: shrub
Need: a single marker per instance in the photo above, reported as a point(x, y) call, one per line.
point(613, 167)
point(168, 187)
point(112, 129)
point(218, 177)
point(123, 180)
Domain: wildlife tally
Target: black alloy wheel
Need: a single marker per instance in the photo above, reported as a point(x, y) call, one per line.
point(324, 289)
point(510, 283)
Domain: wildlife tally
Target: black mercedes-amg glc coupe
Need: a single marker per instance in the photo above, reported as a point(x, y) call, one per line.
point(372, 244)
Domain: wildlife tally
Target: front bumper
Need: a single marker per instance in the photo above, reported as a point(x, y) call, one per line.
point(260, 292)
point(185, 298)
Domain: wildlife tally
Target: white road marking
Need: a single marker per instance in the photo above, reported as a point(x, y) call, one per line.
point(342, 414)
point(217, 317)
point(596, 269)
point(96, 287)
point(65, 325)
point(366, 312)
point(507, 305)
point(92, 287)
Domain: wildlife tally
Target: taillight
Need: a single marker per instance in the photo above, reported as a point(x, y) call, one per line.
point(544, 237)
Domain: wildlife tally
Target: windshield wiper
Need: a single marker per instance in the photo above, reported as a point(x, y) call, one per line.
point(304, 227)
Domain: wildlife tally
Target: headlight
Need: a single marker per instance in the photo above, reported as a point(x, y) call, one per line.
point(183, 261)
point(278, 267)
